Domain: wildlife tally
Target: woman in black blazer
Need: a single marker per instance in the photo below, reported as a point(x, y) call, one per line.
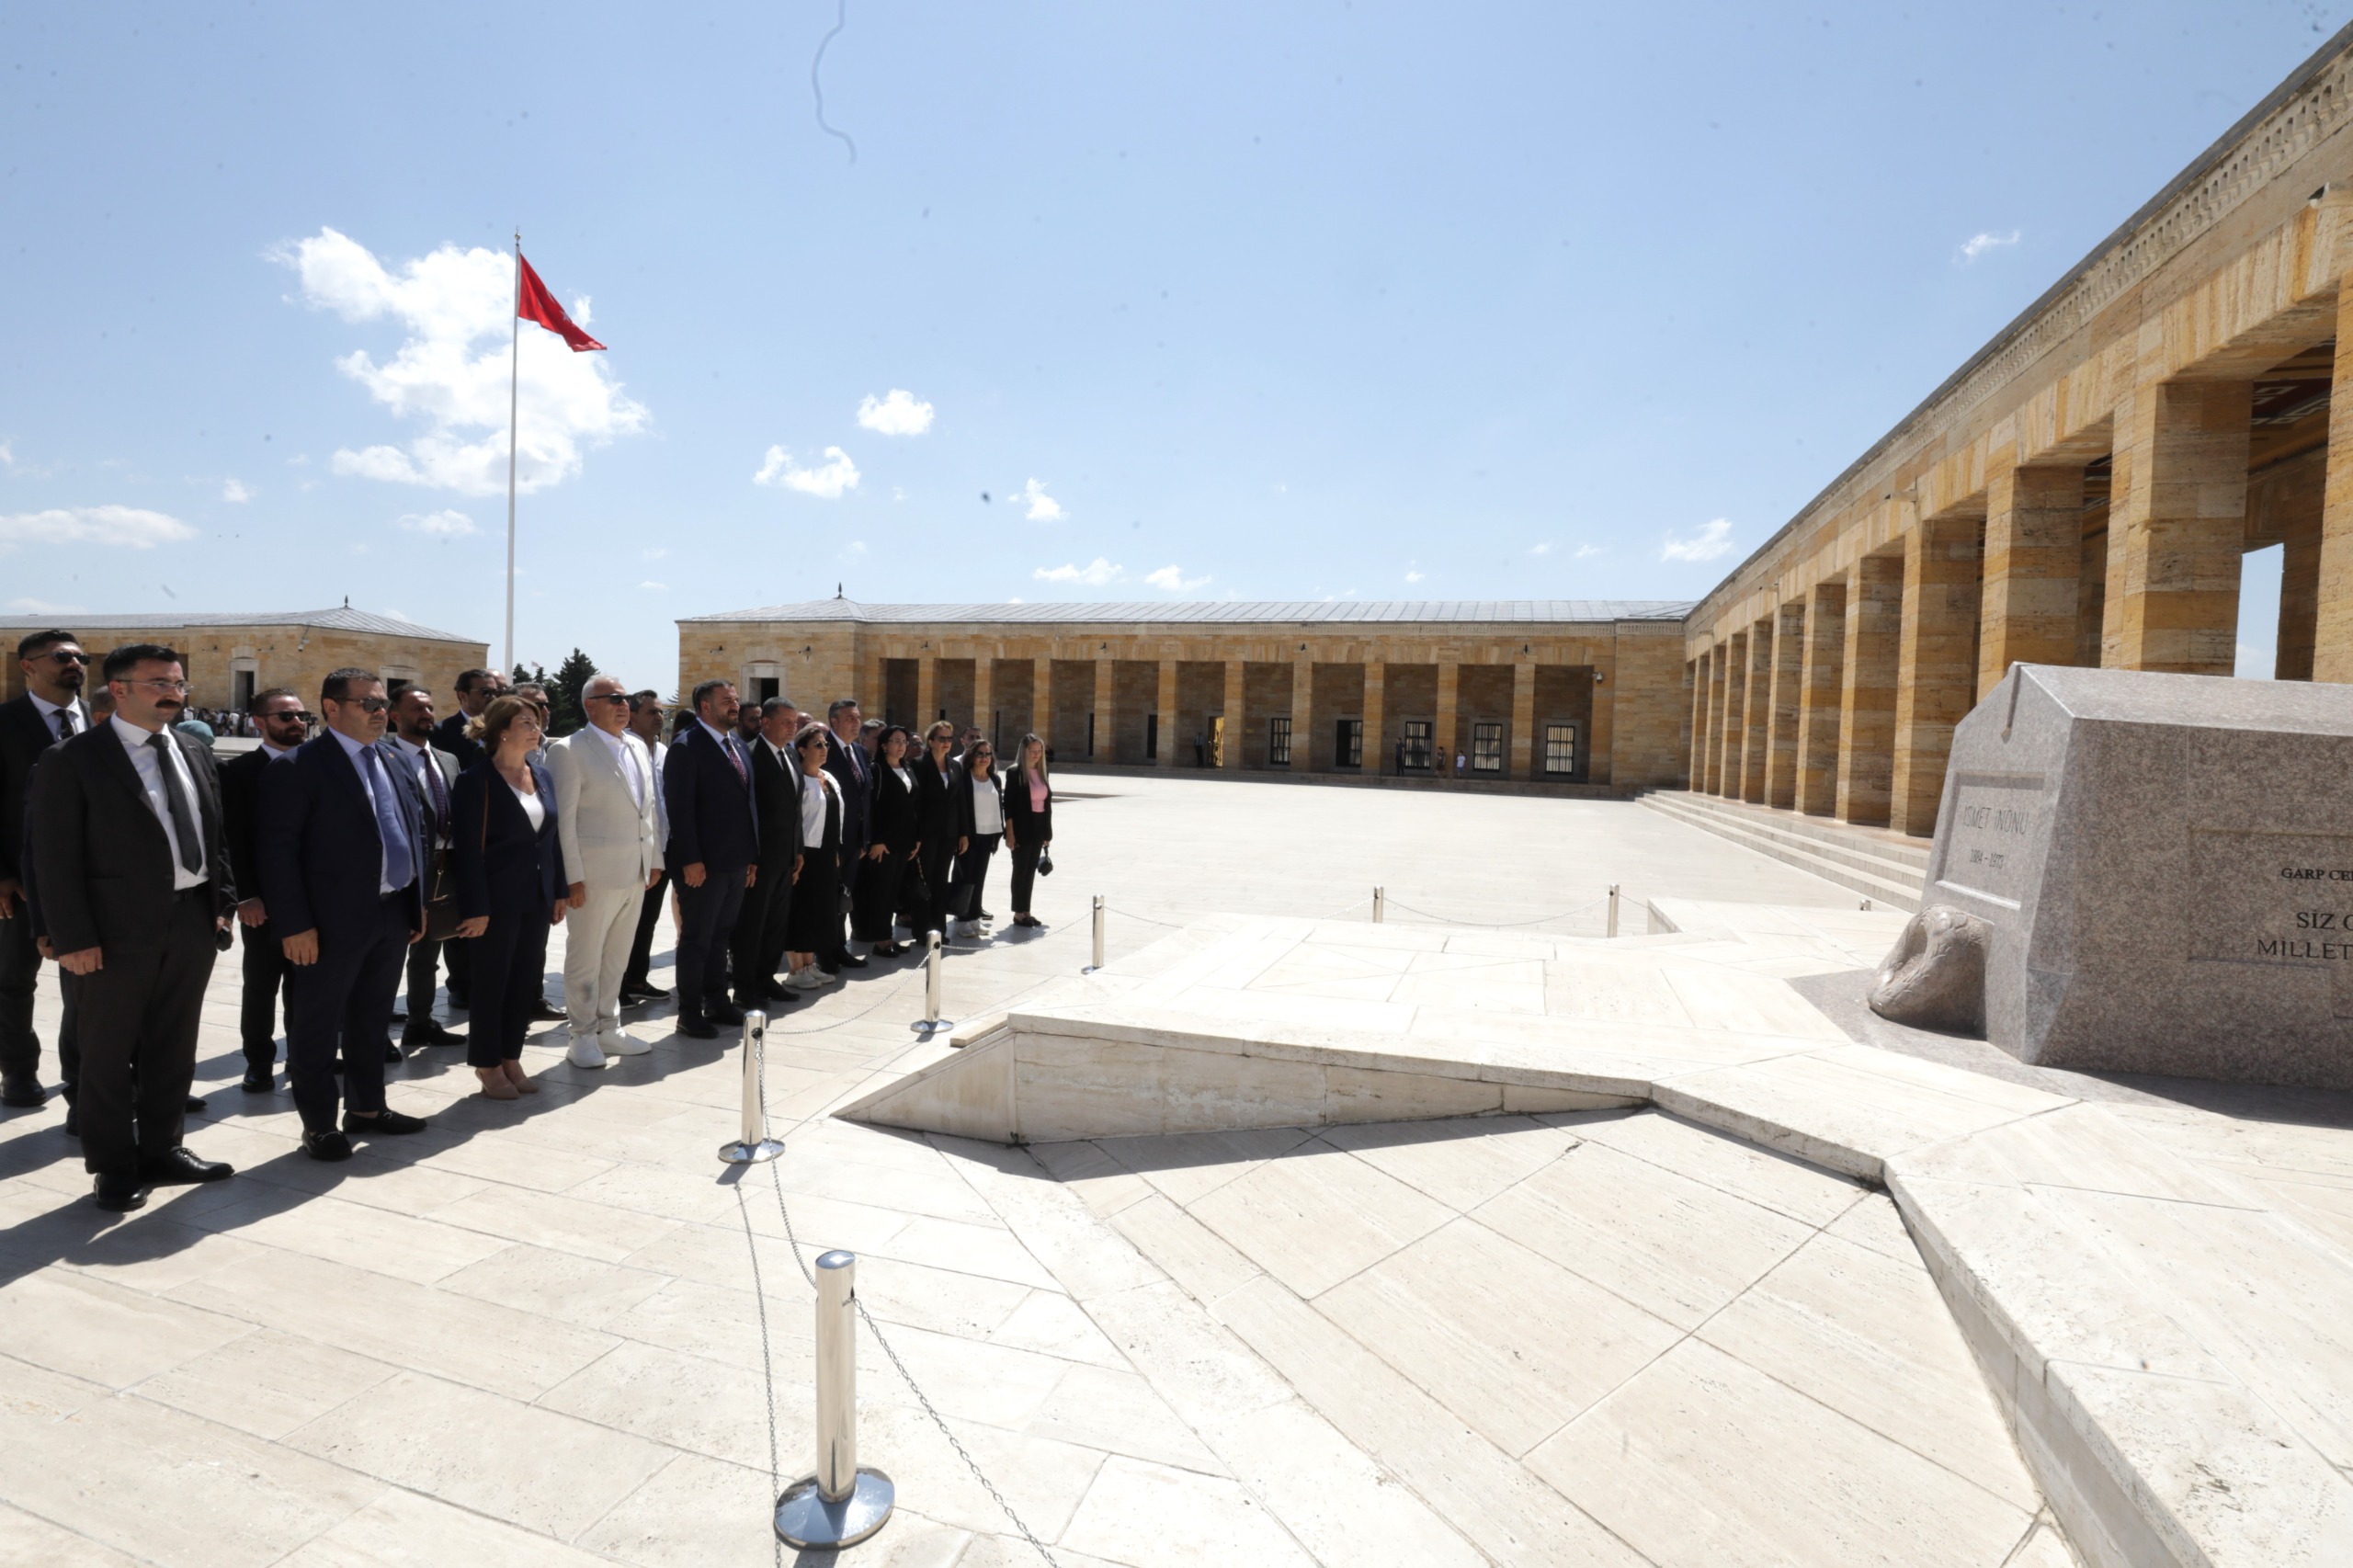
point(892, 842)
point(511, 888)
point(937, 826)
point(1028, 823)
point(980, 827)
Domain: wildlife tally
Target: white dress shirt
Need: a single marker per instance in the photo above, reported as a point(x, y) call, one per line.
point(151, 778)
point(533, 807)
point(815, 788)
point(625, 748)
point(352, 749)
point(988, 810)
point(49, 711)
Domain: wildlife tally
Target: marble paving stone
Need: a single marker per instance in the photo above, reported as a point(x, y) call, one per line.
point(1870, 1337)
point(1194, 1256)
point(686, 1402)
point(1513, 1345)
point(958, 1247)
point(558, 1285)
point(1807, 1194)
point(1117, 1411)
point(1677, 1247)
point(691, 1513)
point(27, 1540)
point(1155, 1517)
point(266, 1383)
point(1580, 988)
point(921, 1297)
point(95, 1329)
point(1049, 1322)
point(1704, 1462)
point(1202, 1370)
point(1336, 1500)
point(1316, 1216)
point(1716, 998)
point(1878, 1226)
point(557, 1221)
point(714, 1322)
point(382, 1242)
point(402, 1529)
point(1101, 1182)
point(554, 1475)
point(155, 1254)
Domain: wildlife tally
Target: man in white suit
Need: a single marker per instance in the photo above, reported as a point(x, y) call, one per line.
point(606, 804)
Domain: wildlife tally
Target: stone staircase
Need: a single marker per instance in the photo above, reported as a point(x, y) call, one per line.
point(1886, 867)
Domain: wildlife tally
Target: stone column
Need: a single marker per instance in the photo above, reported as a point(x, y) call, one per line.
point(1819, 686)
point(1302, 714)
point(1376, 699)
point(2034, 545)
point(2299, 595)
point(1735, 764)
point(1867, 697)
point(1523, 722)
point(1712, 759)
point(1106, 710)
point(1442, 744)
point(1936, 662)
point(2333, 619)
point(927, 691)
point(1233, 714)
point(1788, 674)
point(1170, 742)
point(1757, 704)
point(1042, 698)
point(2177, 526)
point(1695, 771)
point(984, 696)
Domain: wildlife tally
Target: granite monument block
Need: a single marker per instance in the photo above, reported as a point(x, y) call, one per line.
point(2166, 865)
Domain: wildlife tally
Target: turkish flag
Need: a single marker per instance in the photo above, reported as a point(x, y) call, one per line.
point(534, 303)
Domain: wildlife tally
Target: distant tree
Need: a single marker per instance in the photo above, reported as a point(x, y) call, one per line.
point(565, 711)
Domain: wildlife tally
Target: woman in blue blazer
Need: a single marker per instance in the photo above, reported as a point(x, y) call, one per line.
point(511, 888)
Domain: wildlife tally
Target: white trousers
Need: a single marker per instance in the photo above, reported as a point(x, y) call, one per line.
point(596, 952)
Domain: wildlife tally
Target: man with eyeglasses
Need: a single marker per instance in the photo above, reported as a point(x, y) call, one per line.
point(280, 719)
point(433, 772)
point(475, 690)
point(608, 815)
point(133, 875)
point(343, 855)
point(645, 723)
point(51, 710)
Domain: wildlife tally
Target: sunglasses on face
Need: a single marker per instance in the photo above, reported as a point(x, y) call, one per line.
point(65, 656)
point(301, 713)
point(370, 704)
point(607, 696)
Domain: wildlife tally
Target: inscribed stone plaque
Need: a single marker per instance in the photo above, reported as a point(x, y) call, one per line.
point(2166, 864)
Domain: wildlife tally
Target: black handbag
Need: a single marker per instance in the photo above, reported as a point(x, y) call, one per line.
point(1046, 862)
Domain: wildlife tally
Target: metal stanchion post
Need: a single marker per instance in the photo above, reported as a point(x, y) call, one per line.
point(841, 1504)
point(931, 980)
point(1099, 931)
point(1613, 909)
point(756, 1145)
point(1380, 904)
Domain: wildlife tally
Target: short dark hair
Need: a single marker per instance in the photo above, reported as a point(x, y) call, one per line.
point(834, 711)
point(33, 643)
point(394, 687)
point(337, 688)
point(254, 703)
point(703, 688)
point(775, 705)
point(524, 685)
point(131, 655)
point(468, 679)
point(638, 701)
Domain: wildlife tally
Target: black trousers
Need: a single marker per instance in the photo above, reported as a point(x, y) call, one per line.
point(706, 918)
point(1025, 875)
point(508, 960)
point(139, 1018)
point(972, 876)
point(939, 859)
point(19, 977)
point(641, 951)
point(265, 968)
point(460, 962)
point(347, 995)
point(759, 945)
point(424, 969)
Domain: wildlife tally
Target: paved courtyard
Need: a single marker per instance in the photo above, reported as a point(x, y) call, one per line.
point(533, 1335)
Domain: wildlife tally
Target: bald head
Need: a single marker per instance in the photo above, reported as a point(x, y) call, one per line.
point(607, 702)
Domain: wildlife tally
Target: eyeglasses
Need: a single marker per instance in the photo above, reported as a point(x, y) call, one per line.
point(67, 656)
point(368, 704)
point(162, 688)
point(606, 696)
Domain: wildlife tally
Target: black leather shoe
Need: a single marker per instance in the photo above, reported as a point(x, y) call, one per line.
point(181, 1167)
point(22, 1089)
point(542, 1012)
point(723, 1013)
point(393, 1057)
point(851, 960)
point(694, 1025)
point(329, 1146)
point(383, 1121)
point(259, 1083)
point(987, 915)
point(646, 989)
point(118, 1193)
point(73, 1123)
point(424, 1031)
point(458, 1001)
point(195, 1104)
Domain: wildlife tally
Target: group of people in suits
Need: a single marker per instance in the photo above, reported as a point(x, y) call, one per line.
point(364, 848)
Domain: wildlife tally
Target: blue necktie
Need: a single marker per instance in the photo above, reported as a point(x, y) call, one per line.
point(400, 854)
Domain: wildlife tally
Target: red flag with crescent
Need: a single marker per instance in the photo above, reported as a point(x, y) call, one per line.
point(534, 303)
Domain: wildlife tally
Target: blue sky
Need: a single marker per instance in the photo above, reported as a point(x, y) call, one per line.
point(1217, 299)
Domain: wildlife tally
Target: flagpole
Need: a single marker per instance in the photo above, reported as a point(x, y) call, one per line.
point(514, 385)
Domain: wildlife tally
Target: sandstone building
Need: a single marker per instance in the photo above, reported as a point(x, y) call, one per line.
point(1560, 692)
point(229, 657)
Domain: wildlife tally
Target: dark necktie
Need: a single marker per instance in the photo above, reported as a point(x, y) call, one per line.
point(441, 791)
point(183, 819)
point(736, 757)
point(65, 724)
point(399, 853)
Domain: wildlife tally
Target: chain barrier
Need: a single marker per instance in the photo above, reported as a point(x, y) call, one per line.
point(768, 1359)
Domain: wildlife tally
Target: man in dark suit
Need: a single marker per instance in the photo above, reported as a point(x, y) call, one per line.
point(714, 848)
point(637, 985)
point(475, 688)
point(51, 710)
point(430, 772)
point(767, 902)
point(341, 849)
point(281, 720)
point(852, 769)
point(124, 829)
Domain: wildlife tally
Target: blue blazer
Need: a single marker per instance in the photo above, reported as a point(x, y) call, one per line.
point(321, 856)
point(501, 866)
point(712, 817)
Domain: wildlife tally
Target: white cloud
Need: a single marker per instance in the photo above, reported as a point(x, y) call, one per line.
point(848, 555)
point(130, 526)
point(451, 373)
point(1977, 245)
point(1414, 575)
point(826, 481)
point(7, 455)
point(1043, 508)
point(444, 524)
point(1095, 574)
point(1544, 548)
point(236, 490)
point(896, 413)
point(2253, 662)
point(1173, 579)
point(1587, 552)
point(1712, 540)
point(648, 584)
point(656, 553)
point(581, 314)
point(43, 607)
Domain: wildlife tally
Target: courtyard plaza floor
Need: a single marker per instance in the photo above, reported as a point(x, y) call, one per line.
point(1581, 1330)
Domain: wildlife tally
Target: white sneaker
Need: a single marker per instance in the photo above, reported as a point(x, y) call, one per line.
point(620, 1042)
point(583, 1052)
point(809, 979)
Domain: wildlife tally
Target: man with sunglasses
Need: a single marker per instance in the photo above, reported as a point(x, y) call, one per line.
point(282, 723)
point(124, 827)
point(51, 710)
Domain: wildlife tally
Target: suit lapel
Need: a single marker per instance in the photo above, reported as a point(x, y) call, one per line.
point(116, 764)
